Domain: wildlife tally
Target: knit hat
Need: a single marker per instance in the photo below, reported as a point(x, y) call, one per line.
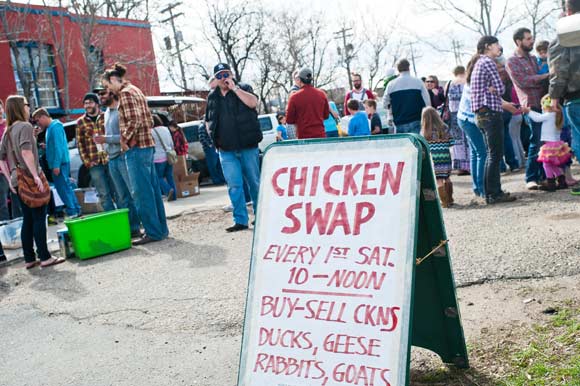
point(92, 97)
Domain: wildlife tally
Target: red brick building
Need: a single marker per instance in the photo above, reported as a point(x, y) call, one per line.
point(42, 37)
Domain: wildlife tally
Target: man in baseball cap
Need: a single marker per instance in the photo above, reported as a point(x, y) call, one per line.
point(232, 119)
point(307, 107)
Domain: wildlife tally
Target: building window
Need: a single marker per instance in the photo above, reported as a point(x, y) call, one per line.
point(37, 64)
point(96, 64)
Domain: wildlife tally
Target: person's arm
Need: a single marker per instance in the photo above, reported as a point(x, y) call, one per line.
point(346, 98)
point(370, 94)
point(509, 107)
point(128, 116)
point(6, 172)
point(82, 134)
point(521, 78)
point(28, 157)
point(291, 111)
point(247, 98)
point(496, 82)
point(52, 157)
point(559, 63)
point(326, 111)
point(537, 117)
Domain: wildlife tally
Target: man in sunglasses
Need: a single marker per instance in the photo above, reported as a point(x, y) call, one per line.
point(232, 120)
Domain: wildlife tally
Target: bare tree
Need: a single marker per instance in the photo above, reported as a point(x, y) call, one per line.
point(236, 30)
point(12, 27)
point(136, 9)
point(479, 16)
point(538, 12)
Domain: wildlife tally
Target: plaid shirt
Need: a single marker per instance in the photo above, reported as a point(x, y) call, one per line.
point(135, 120)
point(204, 137)
point(523, 70)
point(484, 76)
point(86, 129)
point(180, 145)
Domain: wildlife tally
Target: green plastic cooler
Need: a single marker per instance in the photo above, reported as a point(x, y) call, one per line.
point(100, 234)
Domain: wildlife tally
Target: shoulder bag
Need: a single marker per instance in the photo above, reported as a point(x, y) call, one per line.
point(171, 154)
point(28, 192)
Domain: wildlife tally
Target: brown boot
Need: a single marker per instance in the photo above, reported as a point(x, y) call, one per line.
point(562, 182)
point(443, 196)
point(449, 189)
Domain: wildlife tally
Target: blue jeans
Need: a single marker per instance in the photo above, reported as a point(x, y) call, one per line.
point(214, 167)
point(238, 166)
point(145, 191)
point(33, 231)
point(478, 155)
point(572, 111)
point(534, 169)
point(490, 123)
point(120, 178)
point(165, 175)
point(332, 134)
point(101, 180)
point(411, 127)
point(4, 191)
point(65, 190)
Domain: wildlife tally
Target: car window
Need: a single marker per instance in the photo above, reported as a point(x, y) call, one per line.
point(265, 123)
point(191, 133)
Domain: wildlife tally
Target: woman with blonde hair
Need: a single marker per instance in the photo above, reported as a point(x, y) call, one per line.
point(19, 149)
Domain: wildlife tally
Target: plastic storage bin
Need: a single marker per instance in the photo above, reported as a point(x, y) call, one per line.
point(100, 234)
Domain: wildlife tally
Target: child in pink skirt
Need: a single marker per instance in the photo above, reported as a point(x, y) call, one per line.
point(554, 153)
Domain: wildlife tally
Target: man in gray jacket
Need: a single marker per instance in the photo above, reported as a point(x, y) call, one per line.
point(117, 165)
point(565, 81)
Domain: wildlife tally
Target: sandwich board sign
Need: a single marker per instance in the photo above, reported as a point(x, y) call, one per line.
point(349, 266)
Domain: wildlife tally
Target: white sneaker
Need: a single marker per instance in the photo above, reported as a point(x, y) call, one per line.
point(532, 185)
point(228, 208)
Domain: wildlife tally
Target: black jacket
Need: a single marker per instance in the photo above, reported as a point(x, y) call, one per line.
point(232, 124)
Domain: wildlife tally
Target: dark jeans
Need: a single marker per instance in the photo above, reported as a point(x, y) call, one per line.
point(214, 165)
point(4, 190)
point(491, 125)
point(34, 232)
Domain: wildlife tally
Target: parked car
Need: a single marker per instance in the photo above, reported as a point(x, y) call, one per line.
point(182, 110)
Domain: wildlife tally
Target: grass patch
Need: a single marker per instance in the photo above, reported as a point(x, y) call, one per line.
point(546, 354)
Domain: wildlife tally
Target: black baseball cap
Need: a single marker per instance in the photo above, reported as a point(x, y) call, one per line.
point(221, 67)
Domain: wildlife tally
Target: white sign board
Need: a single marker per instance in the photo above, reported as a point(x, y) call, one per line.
point(329, 297)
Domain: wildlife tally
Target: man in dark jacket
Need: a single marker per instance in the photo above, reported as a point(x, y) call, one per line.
point(232, 119)
point(564, 61)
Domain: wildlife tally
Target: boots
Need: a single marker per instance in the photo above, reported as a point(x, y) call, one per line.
point(562, 184)
point(443, 196)
point(449, 189)
point(549, 185)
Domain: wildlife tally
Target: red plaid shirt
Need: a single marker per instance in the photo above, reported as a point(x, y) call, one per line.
point(86, 130)
point(523, 70)
point(179, 143)
point(135, 120)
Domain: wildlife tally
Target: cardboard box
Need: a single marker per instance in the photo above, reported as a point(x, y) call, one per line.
point(88, 200)
point(180, 168)
point(188, 186)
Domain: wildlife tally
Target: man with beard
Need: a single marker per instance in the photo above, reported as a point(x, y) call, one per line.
point(522, 68)
point(358, 93)
point(93, 154)
point(111, 140)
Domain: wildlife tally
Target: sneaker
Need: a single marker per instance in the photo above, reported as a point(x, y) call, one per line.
point(500, 199)
point(3, 258)
point(575, 192)
point(144, 240)
point(236, 227)
point(52, 220)
point(532, 185)
point(228, 208)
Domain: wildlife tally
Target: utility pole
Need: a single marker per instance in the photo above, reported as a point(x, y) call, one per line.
point(177, 37)
point(413, 59)
point(346, 50)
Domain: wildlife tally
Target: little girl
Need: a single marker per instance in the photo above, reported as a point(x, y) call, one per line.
point(437, 134)
point(554, 153)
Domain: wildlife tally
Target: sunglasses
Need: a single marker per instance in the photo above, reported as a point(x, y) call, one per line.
point(103, 93)
point(225, 75)
point(27, 104)
point(429, 81)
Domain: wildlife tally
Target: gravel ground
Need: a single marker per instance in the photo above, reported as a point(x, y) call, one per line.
point(171, 313)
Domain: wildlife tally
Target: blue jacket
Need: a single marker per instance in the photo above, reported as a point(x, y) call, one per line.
point(359, 125)
point(407, 96)
point(56, 145)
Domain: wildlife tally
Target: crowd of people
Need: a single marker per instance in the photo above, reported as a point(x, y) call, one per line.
point(500, 112)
